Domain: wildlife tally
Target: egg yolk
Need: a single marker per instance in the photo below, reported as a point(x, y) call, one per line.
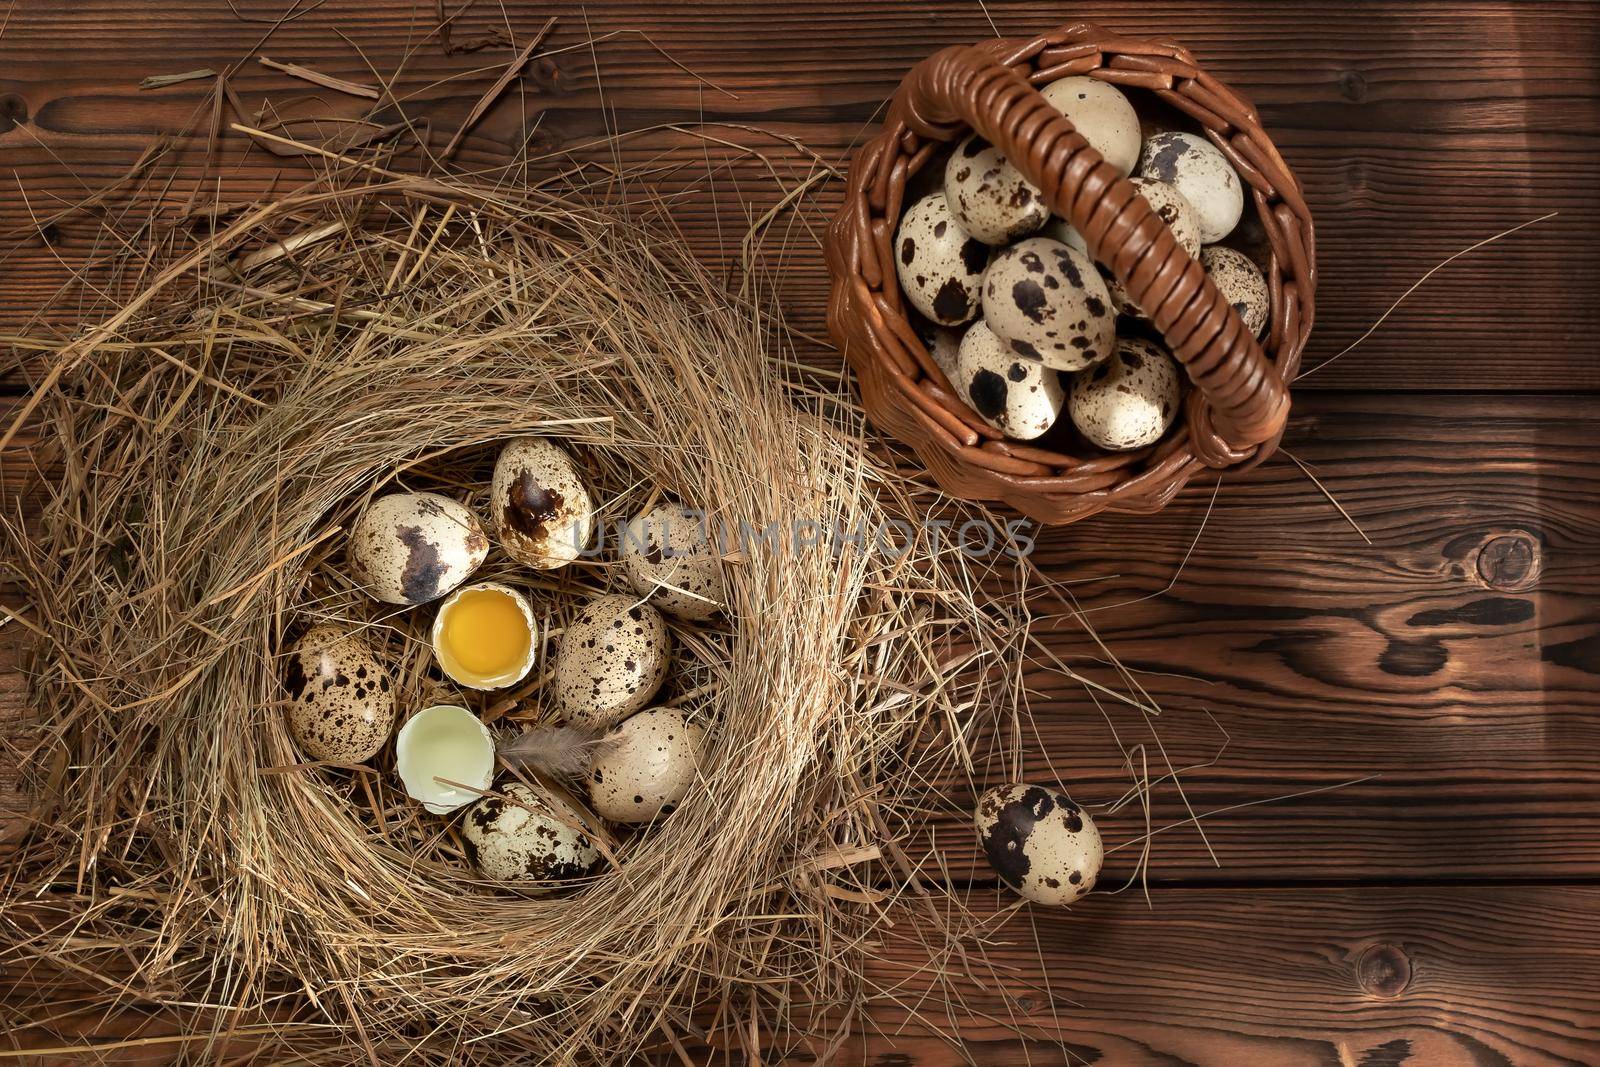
point(486, 633)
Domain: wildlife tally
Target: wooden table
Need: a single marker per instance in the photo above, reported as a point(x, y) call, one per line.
point(1444, 910)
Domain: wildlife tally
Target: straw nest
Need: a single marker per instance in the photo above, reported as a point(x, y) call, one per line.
point(208, 441)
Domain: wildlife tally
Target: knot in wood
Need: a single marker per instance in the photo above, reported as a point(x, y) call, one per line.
point(1510, 562)
point(1383, 970)
point(13, 112)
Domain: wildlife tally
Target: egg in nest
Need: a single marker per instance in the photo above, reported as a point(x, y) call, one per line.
point(524, 838)
point(341, 701)
point(410, 548)
point(539, 507)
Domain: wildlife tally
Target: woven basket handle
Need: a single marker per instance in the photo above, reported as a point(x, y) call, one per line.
point(1240, 400)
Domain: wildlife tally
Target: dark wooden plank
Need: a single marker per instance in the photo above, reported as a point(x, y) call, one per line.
point(1457, 657)
point(1486, 977)
point(1416, 128)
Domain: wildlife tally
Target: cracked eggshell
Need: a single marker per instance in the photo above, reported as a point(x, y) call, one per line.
point(988, 197)
point(1202, 174)
point(341, 700)
point(539, 508)
point(1128, 401)
point(1048, 303)
point(645, 766)
point(1174, 209)
point(1039, 842)
point(410, 548)
point(1021, 398)
point(1242, 285)
point(611, 660)
point(671, 559)
point(508, 842)
point(1102, 114)
point(940, 268)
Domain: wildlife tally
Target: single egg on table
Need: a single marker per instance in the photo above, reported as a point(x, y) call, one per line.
point(645, 766)
point(410, 548)
point(1019, 397)
point(1202, 174)
point(1102, 114)
point(1172, 208)
point(525, 838)
point(940, 268)
point(612, 658)
point(988, 197)
point(539, 508)
point(1242, 285)
point(670, 556)
point(445, 757)
point(341, 701)
point(1039, 842)
point(484, 636)
point(1128, 401)
point(1049, 304)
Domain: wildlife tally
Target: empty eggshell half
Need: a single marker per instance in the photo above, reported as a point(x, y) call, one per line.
point(410, 548)
point(446, 742)
point(539, 507)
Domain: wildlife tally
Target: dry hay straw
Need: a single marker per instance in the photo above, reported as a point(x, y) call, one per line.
point(257, 382)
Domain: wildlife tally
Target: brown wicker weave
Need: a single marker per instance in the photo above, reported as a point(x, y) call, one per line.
point(1234, 414)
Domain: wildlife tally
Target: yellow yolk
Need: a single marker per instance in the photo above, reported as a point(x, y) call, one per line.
point(486, 634)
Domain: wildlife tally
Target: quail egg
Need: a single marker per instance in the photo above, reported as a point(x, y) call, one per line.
point(1019, 397)
point(670, 556)
point(539, 507)
point(1048, 303)
point(1202, 174)
point(1128, 401)
point(989, 198)
point(410, 548)
point(1102, 114)
point(1241, 283)
point(1039, 842)
point(612, 659)
point(645, 766)
point(939, 266)
point(524, 838)
point(341, 702)
point(1173, 209)
point(943, 344)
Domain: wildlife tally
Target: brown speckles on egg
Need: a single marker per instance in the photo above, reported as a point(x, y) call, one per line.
point(1242, 285)
point(1020, 398)
point(671, 557)
point(938, 267)
point(1038, 288)
point(1128, 402)
point(1039, 842)
point(1202, 174)
point(599, 684)
point(988, 197)
point(540, 508)
point(645, 766)
point(333, 714)
point(524, 838)
point(1102, 114)
point(1175, 210)
point(410, 548)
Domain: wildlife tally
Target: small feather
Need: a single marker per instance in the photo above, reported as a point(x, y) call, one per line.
point(556, 751)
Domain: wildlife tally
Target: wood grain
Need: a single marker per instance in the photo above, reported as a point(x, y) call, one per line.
point(1417, 130)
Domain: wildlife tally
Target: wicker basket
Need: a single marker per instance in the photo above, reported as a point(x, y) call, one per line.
point(1239, 400)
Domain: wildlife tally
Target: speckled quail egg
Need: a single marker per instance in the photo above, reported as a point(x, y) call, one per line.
point(1128, 401)
point(410, 548)
point(539, 508)
point(612, 659)
point(1202, 174)
point(939, 266)
point(1241, 283)
point(1019, 397)
point(1039, 842)
point(645, 766)
point(943, 344)
point(524, 838)
point(671, 556)
point(1048, 303)
point(1173, 208)
point(1102, 115)
point(341, 701)
point(989, 198)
